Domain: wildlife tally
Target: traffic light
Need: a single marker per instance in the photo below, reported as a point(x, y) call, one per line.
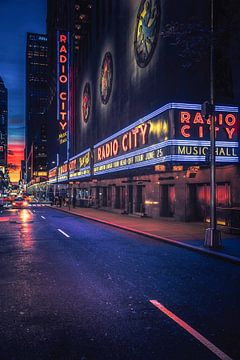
point(207, 109)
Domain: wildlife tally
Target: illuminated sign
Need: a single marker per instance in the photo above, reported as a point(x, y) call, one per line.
point(177, 168)
point(174, 133)
point(63, 81)
point(52, 175)
point(79, 166)
point(160, 167)
point(193, 126)
point(63, 172)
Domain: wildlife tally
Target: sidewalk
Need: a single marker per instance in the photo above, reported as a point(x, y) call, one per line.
point(187, 235)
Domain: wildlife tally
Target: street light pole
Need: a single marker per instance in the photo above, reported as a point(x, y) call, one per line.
point(212, 235)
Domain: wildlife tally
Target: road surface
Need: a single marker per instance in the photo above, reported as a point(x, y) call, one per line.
point(77, 289)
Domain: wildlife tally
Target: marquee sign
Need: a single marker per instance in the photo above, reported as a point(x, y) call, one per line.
point(52, 175)
point(174, 133)
point(63, 85)
point(63, 172)
point(79, 166)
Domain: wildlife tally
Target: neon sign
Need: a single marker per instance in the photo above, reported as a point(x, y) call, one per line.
point(63, 94)
point(128, 141)
point(174, 133)
point(52, 175)
point(193, 125)
point(79, 166)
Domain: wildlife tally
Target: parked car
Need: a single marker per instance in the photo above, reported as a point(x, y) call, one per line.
point(19, 203)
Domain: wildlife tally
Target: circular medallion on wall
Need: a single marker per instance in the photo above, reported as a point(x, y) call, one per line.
point(146, 31)
point(106, 78)
point(86, 102)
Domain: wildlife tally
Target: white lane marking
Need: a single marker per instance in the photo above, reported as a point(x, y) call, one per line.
point(64, 233)
point(221, 355)
point(43, 217)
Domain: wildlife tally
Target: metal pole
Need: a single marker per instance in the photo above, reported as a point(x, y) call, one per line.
point(213, 136)
point(212, 235)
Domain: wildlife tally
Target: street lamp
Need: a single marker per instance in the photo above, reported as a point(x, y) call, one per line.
point(212, 234)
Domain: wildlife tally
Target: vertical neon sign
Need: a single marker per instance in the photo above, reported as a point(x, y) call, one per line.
point(63, 87)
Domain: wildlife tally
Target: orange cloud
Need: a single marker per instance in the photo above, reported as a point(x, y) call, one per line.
point(15, 155)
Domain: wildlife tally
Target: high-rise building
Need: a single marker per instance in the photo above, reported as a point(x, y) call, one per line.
point(3, 125)
point(67, 24)
point(36, 104)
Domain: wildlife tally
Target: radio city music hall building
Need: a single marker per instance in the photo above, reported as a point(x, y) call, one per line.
point(131, 135)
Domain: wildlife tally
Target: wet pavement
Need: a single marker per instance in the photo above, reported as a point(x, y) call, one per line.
point(188, 233)
point(72, 288)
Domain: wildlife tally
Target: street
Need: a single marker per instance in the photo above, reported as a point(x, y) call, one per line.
point(76, 289)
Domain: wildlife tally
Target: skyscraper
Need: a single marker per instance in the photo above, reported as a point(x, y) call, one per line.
point(3, 125)
point(36, 103)
point(66, 20)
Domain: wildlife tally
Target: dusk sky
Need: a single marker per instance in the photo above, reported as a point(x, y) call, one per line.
point(17, 18)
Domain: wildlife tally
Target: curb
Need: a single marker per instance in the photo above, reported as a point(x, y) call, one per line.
point(229, 258)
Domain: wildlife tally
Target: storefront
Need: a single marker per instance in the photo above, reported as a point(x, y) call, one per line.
point(159, 165)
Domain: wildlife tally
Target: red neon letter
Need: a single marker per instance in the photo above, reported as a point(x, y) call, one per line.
point(124, 145)
point(63, 96)
point(63, 38)
point(185, 117)
point(99, 154)
point(198, 119)
point(63, 125)
point(143, 129)
point(63, 59)
point(230, 132)
point(63, 79)
point(63, 115)
point(63, 49)
point(230, 119)
point(183, 131)
point(115, 147)
point(135, 132)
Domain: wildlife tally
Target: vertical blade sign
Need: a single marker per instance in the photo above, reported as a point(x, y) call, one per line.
point(63, 86)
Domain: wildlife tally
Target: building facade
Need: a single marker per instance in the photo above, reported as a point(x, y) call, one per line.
point(137, 142)
point(3, 126)
point(36, 104)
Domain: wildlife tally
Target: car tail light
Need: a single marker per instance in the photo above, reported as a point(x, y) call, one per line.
point(14, 203)
point(25, 203)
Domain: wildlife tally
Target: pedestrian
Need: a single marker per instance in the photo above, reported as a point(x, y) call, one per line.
point(74, 200)
point(60, 201)
point(56, 200)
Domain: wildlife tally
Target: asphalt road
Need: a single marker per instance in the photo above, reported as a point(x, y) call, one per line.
point(76, 289)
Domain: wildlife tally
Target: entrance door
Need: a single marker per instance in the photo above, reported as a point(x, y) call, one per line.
point(130, 199)
point(192, 209)
point(139, 199)
point(117, 197)
point(167, 207)
point(104, 196)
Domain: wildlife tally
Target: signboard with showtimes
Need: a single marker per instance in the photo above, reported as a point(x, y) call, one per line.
point(174, 133)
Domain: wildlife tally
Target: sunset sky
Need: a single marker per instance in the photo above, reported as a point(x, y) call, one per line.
point(17, 18)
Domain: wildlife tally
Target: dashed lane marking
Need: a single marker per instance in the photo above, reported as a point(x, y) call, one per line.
point(208, 344)
point(43, 217)
point(63, 233)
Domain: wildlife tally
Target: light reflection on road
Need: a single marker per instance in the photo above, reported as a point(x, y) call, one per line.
point(26, 218)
